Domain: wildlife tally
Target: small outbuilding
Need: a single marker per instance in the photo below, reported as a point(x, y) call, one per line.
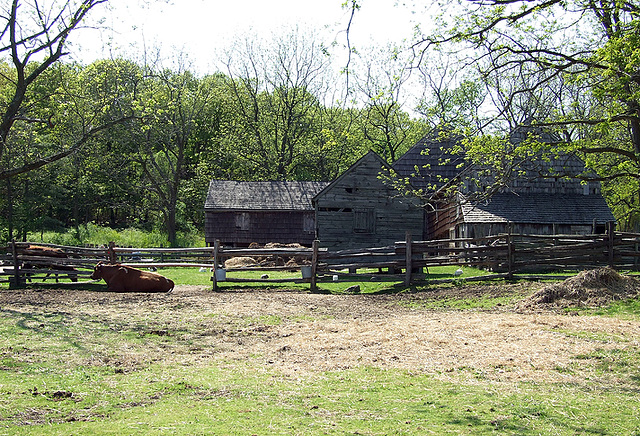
point(239, 213)
point(359, 209)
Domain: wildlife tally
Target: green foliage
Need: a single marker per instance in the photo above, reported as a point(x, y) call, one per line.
point(130, 237)
point(570, 68)
point(152, 171)
point(455, 109)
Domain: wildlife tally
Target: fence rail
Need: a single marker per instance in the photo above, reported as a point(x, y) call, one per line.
point(504, 255)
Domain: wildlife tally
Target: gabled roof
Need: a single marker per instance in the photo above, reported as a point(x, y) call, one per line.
point(431, 162)
point(371, 156)
point(282, 195)
point(538, 208)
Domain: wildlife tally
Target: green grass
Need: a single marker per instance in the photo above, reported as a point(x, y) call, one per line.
point(623, 309)
point(248, 400)
point(370, 281)
point(85, 373)
point(626, 309)
point(468, 303)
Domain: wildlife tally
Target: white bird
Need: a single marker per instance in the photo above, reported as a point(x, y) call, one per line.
point(202, 269)
point(458, 272)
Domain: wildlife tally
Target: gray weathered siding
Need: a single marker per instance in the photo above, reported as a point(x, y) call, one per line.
point(359, 210)
point(241, 228)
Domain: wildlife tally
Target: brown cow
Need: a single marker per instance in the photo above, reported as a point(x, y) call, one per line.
point(122, 278)
point(37, 250)
point(46, 253)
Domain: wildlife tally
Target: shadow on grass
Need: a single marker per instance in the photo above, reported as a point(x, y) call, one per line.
point(75, 286)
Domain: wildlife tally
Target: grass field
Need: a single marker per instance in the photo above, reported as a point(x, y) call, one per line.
point(370, 281)
point(280, 361)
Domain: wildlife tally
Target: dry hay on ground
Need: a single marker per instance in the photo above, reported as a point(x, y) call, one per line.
point(244, 262)
point(240, 262)
point(279, 245)
point(298, 333)
point(292, 262)
point(593, 288)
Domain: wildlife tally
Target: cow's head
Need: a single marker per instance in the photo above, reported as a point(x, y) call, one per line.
point(97, 271)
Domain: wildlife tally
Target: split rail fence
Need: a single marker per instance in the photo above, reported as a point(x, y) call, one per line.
point(409, 261)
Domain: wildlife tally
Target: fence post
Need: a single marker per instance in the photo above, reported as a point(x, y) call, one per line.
point(216, 259)
point(407, 257)
point(113, 259)
point(509, 254)
point(611, 243)
point(314, 266)
point(16, 266)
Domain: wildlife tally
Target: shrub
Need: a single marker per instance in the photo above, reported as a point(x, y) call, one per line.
point(131, 237)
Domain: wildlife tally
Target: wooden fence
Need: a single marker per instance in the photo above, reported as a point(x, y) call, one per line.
point(504, 255)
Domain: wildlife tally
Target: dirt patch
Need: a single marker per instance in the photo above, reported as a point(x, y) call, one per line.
point(592, 288)
point(299, 334)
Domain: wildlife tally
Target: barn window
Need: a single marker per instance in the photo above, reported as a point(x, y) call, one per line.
point(309, 223)
point(364, 221)
point(242, 221)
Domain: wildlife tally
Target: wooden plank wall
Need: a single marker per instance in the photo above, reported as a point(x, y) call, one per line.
point(359, 191)
point(241, 228)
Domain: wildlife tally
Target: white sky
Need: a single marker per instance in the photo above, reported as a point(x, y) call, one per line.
point(200, 28)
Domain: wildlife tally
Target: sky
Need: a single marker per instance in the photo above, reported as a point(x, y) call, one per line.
point(202, 28)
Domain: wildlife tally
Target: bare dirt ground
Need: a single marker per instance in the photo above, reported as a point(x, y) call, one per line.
point(300, 333)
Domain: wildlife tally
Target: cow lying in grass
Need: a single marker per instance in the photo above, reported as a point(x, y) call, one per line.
point(47, 258)
point(120, 278)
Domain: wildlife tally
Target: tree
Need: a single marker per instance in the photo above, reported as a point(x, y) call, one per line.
point(93, 185)
point(451, 98)
point(387, 127)
point(34, 37)
point(572, 67)
point(277, 94)
point(107, 185)
point(178, 109)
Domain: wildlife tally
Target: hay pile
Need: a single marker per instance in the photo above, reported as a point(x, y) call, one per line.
point(293, 262)
point(593, 288)
point(240, 262)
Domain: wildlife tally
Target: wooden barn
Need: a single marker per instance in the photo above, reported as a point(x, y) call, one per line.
point(429, 165)
point(359, 210)
point(531, 205)
point(239, 213)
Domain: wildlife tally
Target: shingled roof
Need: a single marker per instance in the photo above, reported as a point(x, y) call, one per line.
point(430, 162)
point(572, 209)
point(282, 195)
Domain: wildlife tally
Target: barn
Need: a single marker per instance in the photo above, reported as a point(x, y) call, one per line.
point(359, 210)
point(430, 165)
point(239, 213)
point(532, 204)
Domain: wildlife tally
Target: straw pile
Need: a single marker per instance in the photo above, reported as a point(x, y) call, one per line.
point(593, 288)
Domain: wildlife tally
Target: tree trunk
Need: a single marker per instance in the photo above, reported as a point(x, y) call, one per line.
point(171, 226)
point(634, 126)
point(10, 208)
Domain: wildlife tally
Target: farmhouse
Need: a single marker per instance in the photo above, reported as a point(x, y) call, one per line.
point(535, 202)
point(239, 213)
point(359, 210)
